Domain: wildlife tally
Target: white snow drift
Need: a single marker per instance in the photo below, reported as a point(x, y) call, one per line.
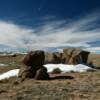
point(67, 68)
point(9, 74)
point(50, 67)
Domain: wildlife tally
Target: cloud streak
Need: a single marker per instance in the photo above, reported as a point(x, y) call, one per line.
point(52, 34)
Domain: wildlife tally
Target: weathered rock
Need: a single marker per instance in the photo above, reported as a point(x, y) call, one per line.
point(26, 72)
point(34, 58)
point(31, 63)
point(42, 74)
point(67, 55)
point(74, 56)
point(74, 60)
point(34, 61)
point(54, 58)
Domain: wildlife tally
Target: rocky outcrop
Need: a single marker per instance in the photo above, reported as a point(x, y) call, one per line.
point(54, 58)
point(33, 62)
point(69, 56)
point(33, 66)
point(74, 56)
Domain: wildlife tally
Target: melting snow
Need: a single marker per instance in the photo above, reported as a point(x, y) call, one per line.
point(67, 68)
point(50, 67)
point(9, 74)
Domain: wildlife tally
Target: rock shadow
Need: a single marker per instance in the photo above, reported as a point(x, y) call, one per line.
point(61, 77)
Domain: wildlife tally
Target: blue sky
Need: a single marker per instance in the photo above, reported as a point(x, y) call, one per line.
point(49, 24)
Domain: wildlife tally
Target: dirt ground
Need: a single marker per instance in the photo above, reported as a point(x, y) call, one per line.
point(68, 86)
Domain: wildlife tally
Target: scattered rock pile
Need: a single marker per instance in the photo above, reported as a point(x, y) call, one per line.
point(69, 56)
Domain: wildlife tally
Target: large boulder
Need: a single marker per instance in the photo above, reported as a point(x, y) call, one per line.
point(84, 56)
point(33, 61)
point(67, 55)
point(74, 56)
point(54, 58)
point(34, 58)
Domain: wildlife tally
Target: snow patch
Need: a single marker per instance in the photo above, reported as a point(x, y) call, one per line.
point(67, 68)
point(50, 67)
point(9, 74)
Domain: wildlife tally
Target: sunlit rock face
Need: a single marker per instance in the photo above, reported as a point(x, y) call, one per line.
point(53, 58)
point(74, 56)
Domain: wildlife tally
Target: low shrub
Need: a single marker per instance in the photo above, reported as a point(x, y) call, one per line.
point(56, 71)
point(91, 70)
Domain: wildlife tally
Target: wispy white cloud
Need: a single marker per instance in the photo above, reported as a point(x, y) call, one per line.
point(52, 34)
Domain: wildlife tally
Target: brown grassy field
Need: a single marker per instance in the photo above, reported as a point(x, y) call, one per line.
point(68, 86)
point(12, 62)
point(95, 58)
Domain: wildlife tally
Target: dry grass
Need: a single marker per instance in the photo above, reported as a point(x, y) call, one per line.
point(56, 71)
point(69, 86)
point(95, 59)
point(12, 62)
point(84, 86)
